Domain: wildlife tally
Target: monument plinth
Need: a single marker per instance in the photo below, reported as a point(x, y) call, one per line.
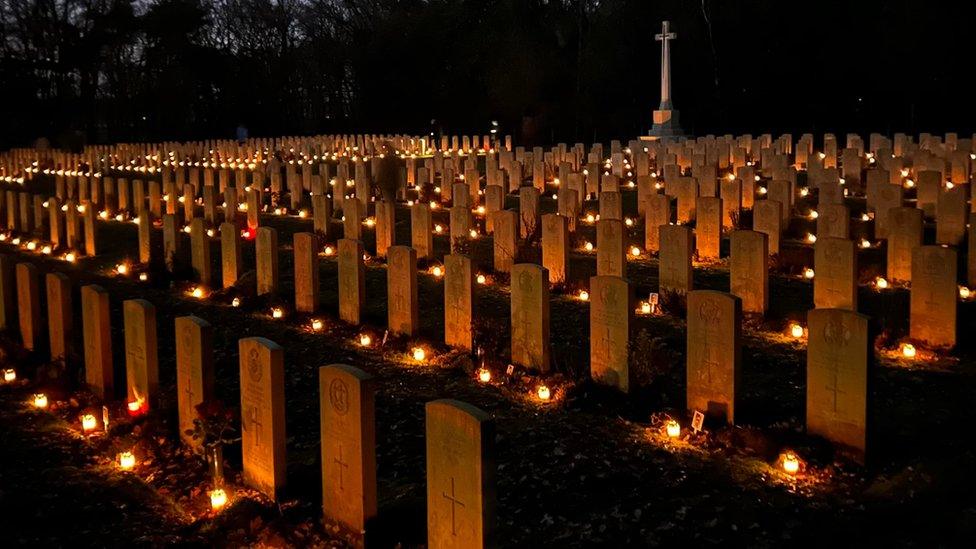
point(665, 116)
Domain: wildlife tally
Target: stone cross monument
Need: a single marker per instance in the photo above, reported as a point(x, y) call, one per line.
point(665, 117)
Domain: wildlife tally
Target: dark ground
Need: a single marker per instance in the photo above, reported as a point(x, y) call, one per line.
point(590, 469)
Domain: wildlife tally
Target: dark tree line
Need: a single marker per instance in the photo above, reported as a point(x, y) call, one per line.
point(114, 70)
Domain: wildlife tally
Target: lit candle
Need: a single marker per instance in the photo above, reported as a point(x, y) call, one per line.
point(143, 277)
point(543, 393)
point(365, 340)
point(881, 283)
point(88, 422)
point(645, 307)
point(9, 375)
point(796, 330)
point(277, 312)
point(419, 354)
point(808, 273)
point(197, 292)
point(40, 400)
point(218, 499)
point(135, 407)
point(316, 324)
point(482, 279)
point(635, 251)
point(127, 461)
point(236, 302)
point(484, 375)
point(584, 295)
point(908, 350)
point(791, 463)
point(673, 428)
point(329, 250)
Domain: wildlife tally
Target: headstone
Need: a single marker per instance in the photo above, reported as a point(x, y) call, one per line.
point(505, 241)
point(91, 231)
point(8, 293)
point(708, 228)
point(528, 211)
point(460, 476)
point(782, 191)
point(458, 301)
point(348, 441)
point(141, 356)
point(530, 316)
point(685, 189)
point(306, 272)
point(611, 205)
point(933, 296)
point(172, 242)
point(29, 306)
point(731, 194)
point(385, 226)
point(674, 259)
point(833, 221)
point(951, 215)
point(928, 185)
point(494, 202)
point(322, 216)
point(352, 281)
point(904, 235)
point(266, 257)
point(403, 309)
point(144, 230)
point(610, 320)
point(230, 254)
point(567, 205)
point(835, 265)
point(421, 231)
point(555, 247)
point(97, 332)
point(749, 270)
point(60, 319)
point(194, 372)
point(889, 196)
point(262, 373)
point(461, 225)
point(200, 251)
point(767, 219)
point(714, 353)
point(352, 219)
point(837, 378)
point(658, 212)
point(611, 258)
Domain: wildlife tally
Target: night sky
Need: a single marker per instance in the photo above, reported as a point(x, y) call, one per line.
point(567, 70)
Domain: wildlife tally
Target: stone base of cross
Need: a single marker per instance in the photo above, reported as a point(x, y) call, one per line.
point(665, 126)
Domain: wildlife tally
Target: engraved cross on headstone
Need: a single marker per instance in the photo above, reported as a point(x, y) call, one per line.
point(454, 502)
point(342, 465)
point(835, 386)
point(252, 419)
point(189, 391)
